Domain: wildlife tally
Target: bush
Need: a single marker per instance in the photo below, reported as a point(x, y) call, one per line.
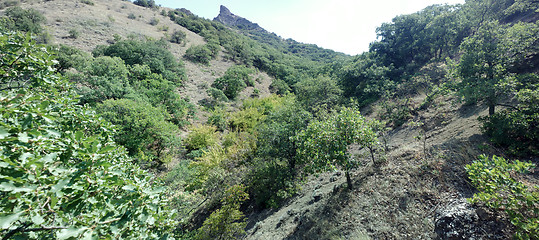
point(26, 20)
point(495, 179)
point(199, 54)
point(177, 37)
point(226, 222)
point(516, 129)
point(88, 2)
point(320, 91)
point(154, 54)
point(154, 21)
point(234, 81)
point(145, 3)
point(132, 16)
point(74, 33)
point(201, 137)
point(144, 130)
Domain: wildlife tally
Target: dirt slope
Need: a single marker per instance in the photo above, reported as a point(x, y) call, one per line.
point(396, 199)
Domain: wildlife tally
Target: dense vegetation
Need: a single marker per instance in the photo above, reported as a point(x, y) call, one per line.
point(57, 141)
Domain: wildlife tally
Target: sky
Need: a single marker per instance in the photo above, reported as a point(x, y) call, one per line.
point(347, 26)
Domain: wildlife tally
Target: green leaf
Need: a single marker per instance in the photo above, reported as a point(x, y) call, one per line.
point(107, 149)
point(60, 185)
point(71, 232)
point(6, 221)
point(79, 135)
point(3, 132)
point(9, 187)
point(23, 137)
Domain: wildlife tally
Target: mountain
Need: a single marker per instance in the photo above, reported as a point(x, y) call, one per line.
point(228, 18)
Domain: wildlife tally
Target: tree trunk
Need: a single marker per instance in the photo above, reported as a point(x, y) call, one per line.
point(348, 179)
point(372, 154)
point(491, 109)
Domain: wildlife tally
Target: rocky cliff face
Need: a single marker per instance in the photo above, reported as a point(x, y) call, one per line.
point(228, 18)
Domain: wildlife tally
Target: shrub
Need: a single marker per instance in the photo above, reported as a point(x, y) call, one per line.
point(516, 129)
point(145, 3)
point(495, 179)
point(201, 137)
point(154, 54)
point(132, 16)
point(144, 130)
point(88, 2)
point(233, 81)
point(154, 21)
point(199, 54)
point(26, 20)
point(226, 222)
point(177, 37)
point(74, 33)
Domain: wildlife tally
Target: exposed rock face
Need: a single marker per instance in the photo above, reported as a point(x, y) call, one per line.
point(228, 18)
point(460, 220)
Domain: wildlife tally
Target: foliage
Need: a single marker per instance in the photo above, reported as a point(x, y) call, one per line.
point(198, 54)
point(103, 78)
point(318, 92)
point(324, 144)
point(233, 81)
point(146, 3)
point(495, 179)
point(201, 137)
point(23, 64)
point(482, 69)
point(143, 129)
point(516, 129)
point(225, 223)
point(154, 54)
point(61, 175)
point(26, 20)
point(177, 37)
point(74, 33)
point(273, 175)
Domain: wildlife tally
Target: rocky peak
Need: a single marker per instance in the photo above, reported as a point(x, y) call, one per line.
point(228, 18)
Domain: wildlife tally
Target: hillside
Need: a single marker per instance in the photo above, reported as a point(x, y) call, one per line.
point(251, 136)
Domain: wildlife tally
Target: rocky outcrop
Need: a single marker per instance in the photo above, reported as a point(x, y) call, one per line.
point(228, 18)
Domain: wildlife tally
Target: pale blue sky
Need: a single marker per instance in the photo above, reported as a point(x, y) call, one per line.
point(342, 25)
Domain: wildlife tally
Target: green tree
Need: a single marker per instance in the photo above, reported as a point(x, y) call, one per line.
point(321, 91)
point(61, 175)
point(482, 68)
point(325, 144)
point(198, 54)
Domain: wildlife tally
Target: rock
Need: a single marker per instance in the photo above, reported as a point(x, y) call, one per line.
point(456, 221)
point(460, 220)
point(228, 18)
point(317, 195)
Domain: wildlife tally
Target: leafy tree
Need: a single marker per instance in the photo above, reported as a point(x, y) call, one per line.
point(516, 128)
point(61, 175)
point(482, 68)
point(324, 144)
point(273, 175)
point(321, 91)
point(103, 78)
